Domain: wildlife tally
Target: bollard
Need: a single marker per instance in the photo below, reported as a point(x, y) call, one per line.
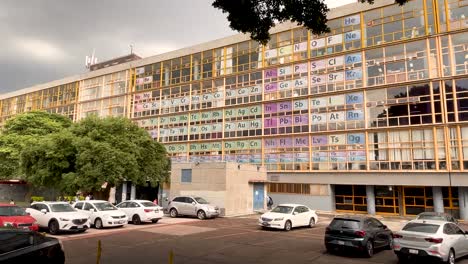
point(99, 249)
point(171, 257)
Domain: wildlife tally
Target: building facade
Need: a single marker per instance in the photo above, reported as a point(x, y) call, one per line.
point(371, 117)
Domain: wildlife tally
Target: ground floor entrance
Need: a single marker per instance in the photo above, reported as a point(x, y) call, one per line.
point(396, 200)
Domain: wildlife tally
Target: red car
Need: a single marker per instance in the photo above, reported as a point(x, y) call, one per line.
point(14, 216)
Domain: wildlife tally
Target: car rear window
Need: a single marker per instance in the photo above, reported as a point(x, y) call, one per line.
point(148, 204)
point(421, 228)
point(340, 223)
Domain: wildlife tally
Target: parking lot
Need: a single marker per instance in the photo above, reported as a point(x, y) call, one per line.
point(222, 240)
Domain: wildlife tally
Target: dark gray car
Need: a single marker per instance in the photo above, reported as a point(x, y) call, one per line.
point(192, 206)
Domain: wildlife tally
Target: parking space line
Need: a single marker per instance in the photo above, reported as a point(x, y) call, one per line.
point(228, 235)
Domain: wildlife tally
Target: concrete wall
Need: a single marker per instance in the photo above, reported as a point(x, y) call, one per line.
point(208, 181)
point(239, 193)
point(224, 184)
point(323, 203)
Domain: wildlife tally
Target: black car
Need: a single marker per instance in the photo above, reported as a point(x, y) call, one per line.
point(357, 232)
point(24, 246)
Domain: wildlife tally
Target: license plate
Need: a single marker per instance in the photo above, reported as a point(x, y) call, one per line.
point(413, 251)
point(121, 221)
point(340, 242)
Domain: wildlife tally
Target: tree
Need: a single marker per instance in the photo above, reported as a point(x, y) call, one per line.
point(93, 152)
point(257, 17)
point(22, 132)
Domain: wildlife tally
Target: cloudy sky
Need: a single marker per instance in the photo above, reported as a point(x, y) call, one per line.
point(44, 40)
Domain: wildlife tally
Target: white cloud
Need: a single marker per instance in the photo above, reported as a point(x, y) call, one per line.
point(336, 3)
point(151, 49)
point(39, 49)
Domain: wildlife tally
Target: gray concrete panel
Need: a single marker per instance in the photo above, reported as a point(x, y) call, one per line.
point(370, 196)
point(438, 199)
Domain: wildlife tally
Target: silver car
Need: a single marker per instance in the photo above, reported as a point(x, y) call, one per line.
point(437, 239)
point(192, 206)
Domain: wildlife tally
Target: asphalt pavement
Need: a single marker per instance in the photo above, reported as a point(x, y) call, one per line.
point(221, 240)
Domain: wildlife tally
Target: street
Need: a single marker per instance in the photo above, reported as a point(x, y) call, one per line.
point(222, 240)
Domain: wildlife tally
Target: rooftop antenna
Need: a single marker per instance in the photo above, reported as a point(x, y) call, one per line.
point(131, 48)
point(90, 60)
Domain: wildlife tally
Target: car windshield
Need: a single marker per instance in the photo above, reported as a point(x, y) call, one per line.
point(12, 211)
point(148, 204)
point(282, 209)
point(105, 206)
point(61, 208)
point(339, 223)
point(421, 228)
point(201, 200)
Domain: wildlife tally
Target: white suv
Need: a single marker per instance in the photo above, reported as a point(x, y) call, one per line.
point(58, 216)
point(192, 206)
point(102, 213)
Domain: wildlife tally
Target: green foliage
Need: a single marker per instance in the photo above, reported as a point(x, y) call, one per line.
point(115, 149)
point(82, 156)
point(37, 198)
point(36, 123)
point(20, 133)
point(257, 17)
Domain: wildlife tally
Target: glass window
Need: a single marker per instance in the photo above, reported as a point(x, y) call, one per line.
point(88, 207)
point(421, 228)
point(186, 175)
point(13, 241)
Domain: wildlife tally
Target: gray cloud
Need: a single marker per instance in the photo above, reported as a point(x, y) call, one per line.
point(49, 39)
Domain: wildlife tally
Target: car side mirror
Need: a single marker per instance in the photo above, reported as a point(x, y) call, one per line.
point(193, 203)
point(28, 213)
point(294, 213)
point(44, 211)
point(384, 226)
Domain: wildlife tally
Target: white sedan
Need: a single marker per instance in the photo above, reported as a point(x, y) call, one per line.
point(287, 216)
point(102, 213)
point(58, 216)
point(141, 211)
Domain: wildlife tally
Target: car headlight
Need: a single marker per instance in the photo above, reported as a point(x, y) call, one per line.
point(64, 219)
point(7, 224)
point(278, 219)
point(106, 216)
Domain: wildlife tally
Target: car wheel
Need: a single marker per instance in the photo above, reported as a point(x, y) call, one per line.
point(451, 257)
point(312, 222)
point(154, 221)
point(98, 223)
point(369, 250)
point(173, 212)
point(287, 226)
point(136, 220)
point(54, 227)
point(330, 249)
point(201, 214)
